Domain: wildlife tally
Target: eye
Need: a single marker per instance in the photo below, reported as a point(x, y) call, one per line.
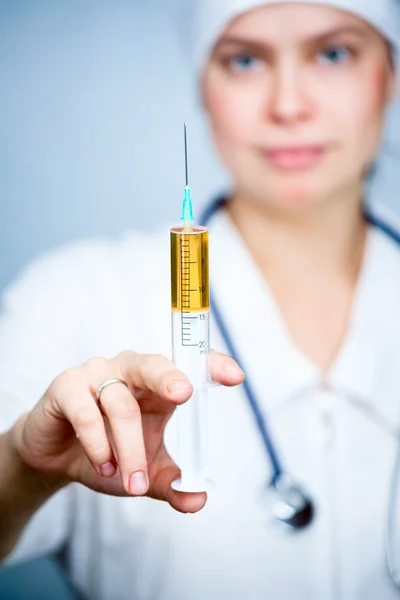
point(334, 55)
point(244, 63)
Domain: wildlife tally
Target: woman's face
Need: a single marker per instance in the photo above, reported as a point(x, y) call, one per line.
point(296, 95)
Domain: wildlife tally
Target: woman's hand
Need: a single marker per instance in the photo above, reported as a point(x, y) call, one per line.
point(115, 447)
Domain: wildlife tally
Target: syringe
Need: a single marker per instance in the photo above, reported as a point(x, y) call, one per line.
point(190, 302)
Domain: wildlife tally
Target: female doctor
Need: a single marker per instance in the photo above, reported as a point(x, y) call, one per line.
point(306, 292)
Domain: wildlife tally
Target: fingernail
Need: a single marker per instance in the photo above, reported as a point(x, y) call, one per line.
point(234, 369)
point(138, 483)
point(177, 386)
point(108, 469)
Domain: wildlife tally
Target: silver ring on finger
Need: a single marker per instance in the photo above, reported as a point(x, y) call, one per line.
point(106, 384)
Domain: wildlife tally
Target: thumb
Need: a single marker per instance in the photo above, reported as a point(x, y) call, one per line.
point(160, 488)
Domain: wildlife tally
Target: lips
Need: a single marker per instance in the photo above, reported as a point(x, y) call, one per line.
point(294, 157)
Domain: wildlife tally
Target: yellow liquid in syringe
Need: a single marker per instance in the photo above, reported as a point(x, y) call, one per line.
point(190, 286)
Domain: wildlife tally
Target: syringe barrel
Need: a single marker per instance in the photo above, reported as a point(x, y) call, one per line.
point(190, 303)
point(191, 346)
point(192, 416)
point(190, 281)
point(190, 300)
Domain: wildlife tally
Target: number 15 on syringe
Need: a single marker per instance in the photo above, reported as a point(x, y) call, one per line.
point(190, 303)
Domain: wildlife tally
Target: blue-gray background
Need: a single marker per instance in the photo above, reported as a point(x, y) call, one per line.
point(92, 95)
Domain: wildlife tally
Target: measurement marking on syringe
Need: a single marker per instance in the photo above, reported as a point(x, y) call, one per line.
point(185, 292)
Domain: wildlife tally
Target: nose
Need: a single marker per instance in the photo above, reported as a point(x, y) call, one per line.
point(289, 102)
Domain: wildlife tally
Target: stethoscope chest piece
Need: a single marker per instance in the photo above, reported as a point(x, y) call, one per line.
point(290, 507)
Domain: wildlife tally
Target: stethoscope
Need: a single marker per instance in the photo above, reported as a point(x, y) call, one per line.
point(292, 507)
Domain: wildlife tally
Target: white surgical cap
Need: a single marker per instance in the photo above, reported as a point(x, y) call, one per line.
point(212, 16)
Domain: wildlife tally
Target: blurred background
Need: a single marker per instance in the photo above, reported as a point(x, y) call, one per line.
point(93, 95)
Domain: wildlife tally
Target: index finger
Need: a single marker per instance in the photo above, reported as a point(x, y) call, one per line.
point(160, 375)
point(155, 373)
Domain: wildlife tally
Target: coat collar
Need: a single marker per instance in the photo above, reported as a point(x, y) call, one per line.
point(366, 365)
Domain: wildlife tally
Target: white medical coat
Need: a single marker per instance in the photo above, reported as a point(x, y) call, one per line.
point(102, 297)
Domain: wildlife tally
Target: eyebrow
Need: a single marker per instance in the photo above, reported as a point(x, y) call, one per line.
point(321, 37)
